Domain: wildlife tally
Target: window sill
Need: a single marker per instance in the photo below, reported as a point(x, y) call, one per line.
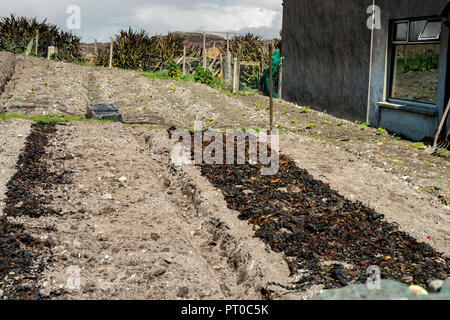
point(429, 110)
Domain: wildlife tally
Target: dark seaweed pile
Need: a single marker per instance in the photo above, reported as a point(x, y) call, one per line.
point(26, 189)
point(20, 263)
point(310, 223)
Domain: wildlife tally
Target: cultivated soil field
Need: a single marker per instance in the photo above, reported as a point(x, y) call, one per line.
point(108, 202)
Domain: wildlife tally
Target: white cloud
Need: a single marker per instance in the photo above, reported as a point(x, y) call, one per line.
point(102, 19)
point(162, 18)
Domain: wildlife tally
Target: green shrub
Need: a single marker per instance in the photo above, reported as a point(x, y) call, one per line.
point(203, 76)
point(173, 69)
point(17, 35)
point(138, 51)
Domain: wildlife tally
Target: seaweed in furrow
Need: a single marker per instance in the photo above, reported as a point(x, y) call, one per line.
point(311, 224)
point(20, 253)
point(26, 189)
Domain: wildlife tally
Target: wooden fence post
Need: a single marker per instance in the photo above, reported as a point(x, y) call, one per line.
point(235, 74)
point(280, 82)
point(228, 57)
point(111, 54)
point(204, 50)
point(95, 47)
point(221, 67)
point(36, 47)
point(271, 86)
point(184, 60)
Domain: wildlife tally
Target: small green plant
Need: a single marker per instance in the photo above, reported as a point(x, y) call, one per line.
point(54, 57)
point(110, 95)
point(151, 95)
point(173, 69)
point(358, 122)
point(91, 98)
point(257, 104)
point(429, 163)
point(173, 89)
point(17, 99)
point(304, 109)
point(293, 121)
point(45, 84)
point(243, 114)
point(325, 122)
point(380, 131)
point(311, 126)
point(284, 112)
point(340, 124)
point(209, 120)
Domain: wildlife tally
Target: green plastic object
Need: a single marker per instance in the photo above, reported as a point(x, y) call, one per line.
point(265, 80)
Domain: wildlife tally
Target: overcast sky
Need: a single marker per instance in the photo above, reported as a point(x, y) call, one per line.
point(101, 19)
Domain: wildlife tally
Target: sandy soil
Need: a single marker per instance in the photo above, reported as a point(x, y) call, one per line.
point(418, 214)
point(12, 137)
point(40, 86)
point(139, 228)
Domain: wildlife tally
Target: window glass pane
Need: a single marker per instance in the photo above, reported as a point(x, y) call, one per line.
point(415, 29)
point(431, 31)
point(401, 31)
point(415, 72)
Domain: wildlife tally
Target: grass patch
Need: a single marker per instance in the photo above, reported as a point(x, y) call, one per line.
point(49, 118)
point(313, 137)
point(418, 145)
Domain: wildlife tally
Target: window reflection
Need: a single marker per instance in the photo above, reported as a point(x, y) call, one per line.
point(415, 74)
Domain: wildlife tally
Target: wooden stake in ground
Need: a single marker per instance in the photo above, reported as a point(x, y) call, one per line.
point(95, 47)
point(221, 67)
point(184, 60)
point(228, 57)
point(204, 50)
point(235, 74)
point(271, 86)
point(280, 85)
point(111, 54)
point(36, 47)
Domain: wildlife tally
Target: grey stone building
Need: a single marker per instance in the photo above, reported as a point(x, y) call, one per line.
point(383, 62)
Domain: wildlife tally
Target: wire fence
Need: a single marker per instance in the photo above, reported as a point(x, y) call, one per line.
point(237, 75)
